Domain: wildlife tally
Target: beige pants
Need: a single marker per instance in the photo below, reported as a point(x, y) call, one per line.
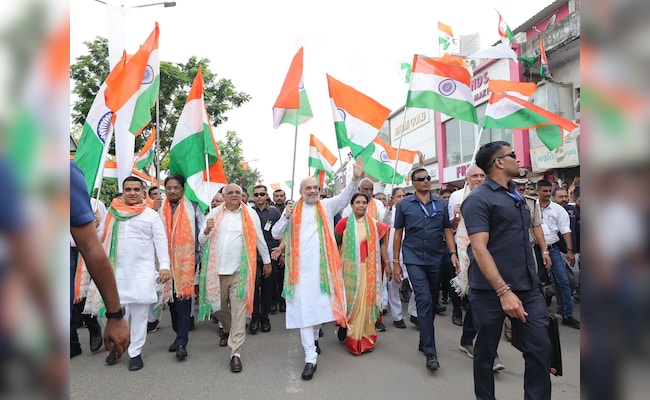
point(233, 318)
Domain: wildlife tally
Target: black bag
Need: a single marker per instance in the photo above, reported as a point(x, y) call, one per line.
point(554, 337)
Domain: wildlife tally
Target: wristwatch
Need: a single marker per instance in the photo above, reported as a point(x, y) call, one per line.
point(115, 315)
point(569, 250)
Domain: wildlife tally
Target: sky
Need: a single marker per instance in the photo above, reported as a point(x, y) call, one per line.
point(359, 42)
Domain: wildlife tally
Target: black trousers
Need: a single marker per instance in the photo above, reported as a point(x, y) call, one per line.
point(180, 313)
point(489, 317)
point(263, 292)
point(278, 283)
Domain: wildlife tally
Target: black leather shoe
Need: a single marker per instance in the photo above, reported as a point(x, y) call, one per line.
point(414, 321)
point(282, 307)
point(399, 324)
point(173, 347)
point(274, 309)
point(342, 333)
point(254, 327)
point(135, 363)
point(96, 340)
point(308, 372)
point(317, 347)
point(380, 327)
point(572, 322)
point(457, 320)
point(235, 364)
point(266, 326)
point(432, 363)
point(223, 341)
point(181, 352)
point(440, 309)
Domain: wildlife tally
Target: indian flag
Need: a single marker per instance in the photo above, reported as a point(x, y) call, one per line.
point(97, 133)
point(122, 97)
point(110, 172)
point(543, 61)
point(445, 36)
point(292, 105)
point(145, 158)
point(509, 112)
point(504, 31)
point(357, 117)
point(382, 161)
point(443, 87)
point(320, 157)
point(193, 147)
point(523, 90)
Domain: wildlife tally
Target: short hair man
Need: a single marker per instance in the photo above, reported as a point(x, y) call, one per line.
point(502, 277)
point(279, 198)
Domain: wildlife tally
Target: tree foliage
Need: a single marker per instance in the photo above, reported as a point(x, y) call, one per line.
point(91, 69)
point(233, 157)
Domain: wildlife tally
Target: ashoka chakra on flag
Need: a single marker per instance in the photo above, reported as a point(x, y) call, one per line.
point(447, 87)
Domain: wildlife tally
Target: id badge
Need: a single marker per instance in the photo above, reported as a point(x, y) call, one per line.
point(267, 226)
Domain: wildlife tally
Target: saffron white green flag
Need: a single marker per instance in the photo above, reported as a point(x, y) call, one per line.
point(320, 158)
point(506, 34)
point(443, 85)
point(292, 105)
point(97, 133)
point(193, 143)
point(445, 36)
point(145, 158)
point(383, 164)
point(357, 117)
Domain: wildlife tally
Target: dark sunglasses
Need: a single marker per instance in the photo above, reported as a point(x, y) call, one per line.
point(511, 154)
point(259, 194)
point(422, 179)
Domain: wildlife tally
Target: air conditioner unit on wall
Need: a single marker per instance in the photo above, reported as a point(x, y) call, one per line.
point(556, 98)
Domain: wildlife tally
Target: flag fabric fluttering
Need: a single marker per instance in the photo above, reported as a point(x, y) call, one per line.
point(407, 71)
point(320, 158)
point(445, 36)
point(498, 51)
point(357, 117)
point(122, 97)
point(543, 61)
point(380, 159)
point(443, 87)
point(145, 158)
point(510, 112)
point(523, 90)
point(110, 172)
point(97, 132)
point(193, 140)
point(505, 33)
point(292, 105)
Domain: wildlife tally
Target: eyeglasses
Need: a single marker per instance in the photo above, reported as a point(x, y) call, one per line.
point(422, 179)
point(259, 194)
point(511, 154)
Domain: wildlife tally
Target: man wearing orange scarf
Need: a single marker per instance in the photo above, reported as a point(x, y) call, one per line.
point(233, 235)
point(182, 219)
point(313, 281)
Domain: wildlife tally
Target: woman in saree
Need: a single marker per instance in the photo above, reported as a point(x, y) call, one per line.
point(362, 252)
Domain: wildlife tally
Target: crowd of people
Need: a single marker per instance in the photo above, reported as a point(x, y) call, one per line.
point(489, 248)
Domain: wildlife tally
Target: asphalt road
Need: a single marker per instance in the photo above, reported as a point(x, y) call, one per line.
point(273, 363)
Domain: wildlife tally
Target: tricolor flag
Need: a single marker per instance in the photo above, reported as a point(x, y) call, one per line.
point(97, 132)
point(504, 31)
point(145, 158)
point(135, 80)
point(543, 61)
point(320, 158)
point(523, 90)
point(509, 112)
point(193, 145)
point(445, 36)
point(381, 159)
point(357, 117)
point(443, 87)
point(110, 172)
point(292, 105)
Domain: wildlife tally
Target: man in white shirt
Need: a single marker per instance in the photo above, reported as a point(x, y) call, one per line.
point(233, 234)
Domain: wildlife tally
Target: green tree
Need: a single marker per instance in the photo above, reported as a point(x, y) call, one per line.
point(233, 157)
point(90, 70)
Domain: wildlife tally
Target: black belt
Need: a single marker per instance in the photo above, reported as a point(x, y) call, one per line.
point(552, 246)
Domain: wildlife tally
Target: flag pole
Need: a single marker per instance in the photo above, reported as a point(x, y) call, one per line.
point(157, 151)
point(293, 170)
point(207, 170)
point(399, 147)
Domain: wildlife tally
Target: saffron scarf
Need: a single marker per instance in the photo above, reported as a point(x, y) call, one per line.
point(360, 249)
point(209, 288)
point(371, 210)
point(118, 211)
point(331, 278)
point(181, 243)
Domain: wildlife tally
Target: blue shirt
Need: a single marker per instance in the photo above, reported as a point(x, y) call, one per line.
point(504, 215)
point(423, 224)
point(81, 213)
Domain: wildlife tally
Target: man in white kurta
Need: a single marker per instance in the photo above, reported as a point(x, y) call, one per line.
point(309, 307)
point(135, 273)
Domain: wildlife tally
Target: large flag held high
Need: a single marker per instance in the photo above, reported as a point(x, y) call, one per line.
point(193, 141)
point(357, 117)
point(510, 112)
point(380, 159)
point(292, 105)
point(130, 97)
point(443, 85)
point(97, 132)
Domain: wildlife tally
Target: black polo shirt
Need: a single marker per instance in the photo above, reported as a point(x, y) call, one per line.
point(423, 226)
point(268, 217)
point(490, 208)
